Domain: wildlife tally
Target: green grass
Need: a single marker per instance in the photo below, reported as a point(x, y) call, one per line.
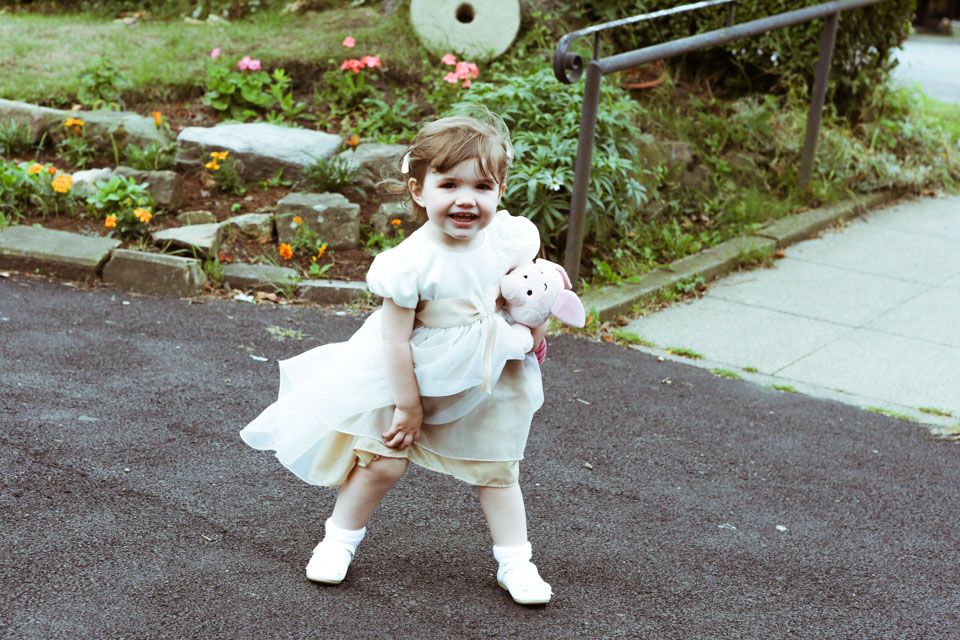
point(628, 337)
point(892, 414)
point(43, 56)
point(726, 373)
point(936, 412)
point(786, 388)
point(683, 352)
point(751, 370)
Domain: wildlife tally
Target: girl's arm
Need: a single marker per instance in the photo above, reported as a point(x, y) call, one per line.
point(396, 329)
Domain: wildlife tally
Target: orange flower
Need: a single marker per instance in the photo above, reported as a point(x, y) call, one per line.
point(143, 215)
point(110, 222)
point(212, 165)
point(396, 222)
point(62, 183)
point(354, 140)
point(297, 220)
point(158, 118)
point(34, 168)
point(285, 250)
point(52, 170)
point(219, 155)
point(320, 252)
point(76, 124)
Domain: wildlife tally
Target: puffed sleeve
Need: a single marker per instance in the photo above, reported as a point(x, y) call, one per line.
point(519, 239)
point(391, 276)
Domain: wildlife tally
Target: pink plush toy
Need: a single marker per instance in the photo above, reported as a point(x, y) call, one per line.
point(535, 291)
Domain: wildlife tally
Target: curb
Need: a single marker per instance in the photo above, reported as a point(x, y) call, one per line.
point(609, 302)
point(49, 253)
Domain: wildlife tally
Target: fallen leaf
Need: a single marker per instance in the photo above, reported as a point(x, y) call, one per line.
point(224, 256)
point(780, 254)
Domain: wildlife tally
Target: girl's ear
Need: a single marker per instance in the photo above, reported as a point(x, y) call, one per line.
point(416, 191)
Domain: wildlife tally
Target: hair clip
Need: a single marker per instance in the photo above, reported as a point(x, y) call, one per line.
point(405, 163)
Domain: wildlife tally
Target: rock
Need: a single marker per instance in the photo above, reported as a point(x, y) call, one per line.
point(258, 226)
point(696, 178)
point(85, 182)
point(260, 148)
point(333, 291)
point(374, 161)
point(154, 272)
point(166, 187)
point(679, 154)
point(648, 150)
point(331, 216)
point(34, 117)
point(201, 239)
point(196, 217)
point(390, 211)
point(60, 253)
point(261, 277)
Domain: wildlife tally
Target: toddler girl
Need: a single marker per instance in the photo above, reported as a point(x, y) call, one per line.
point(436, 376)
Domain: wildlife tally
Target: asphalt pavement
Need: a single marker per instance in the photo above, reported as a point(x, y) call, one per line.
point(664, 501)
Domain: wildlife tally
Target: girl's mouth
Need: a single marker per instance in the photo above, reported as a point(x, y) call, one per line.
point(463, 219)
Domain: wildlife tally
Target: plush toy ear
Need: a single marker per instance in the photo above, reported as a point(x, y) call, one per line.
point(568, 309)
point(540, 262)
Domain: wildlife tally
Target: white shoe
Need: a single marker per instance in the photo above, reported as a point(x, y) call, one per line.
point(524, 583)
point(329, 563)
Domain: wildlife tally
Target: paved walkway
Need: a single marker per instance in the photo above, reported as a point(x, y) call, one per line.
point(868, 315)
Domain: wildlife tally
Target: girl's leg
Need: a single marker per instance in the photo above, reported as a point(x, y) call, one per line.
point(506, 515)
point(507, 519)
point(364, 489)
point(359, 497)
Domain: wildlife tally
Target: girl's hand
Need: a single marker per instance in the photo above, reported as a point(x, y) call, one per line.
point(404, 429)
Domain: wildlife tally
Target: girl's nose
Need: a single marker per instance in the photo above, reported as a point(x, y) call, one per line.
point(465, 197)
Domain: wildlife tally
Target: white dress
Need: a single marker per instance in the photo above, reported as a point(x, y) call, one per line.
point(479, 387)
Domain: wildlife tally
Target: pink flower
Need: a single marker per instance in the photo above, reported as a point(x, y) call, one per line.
point(349, 42)
point(449, 59)
point(253, 65)
point(244, 63)
point(466, 70)
point(352, 65)
point(466, 84)
point(215, 53)
point(370, 61)
point(451, 78)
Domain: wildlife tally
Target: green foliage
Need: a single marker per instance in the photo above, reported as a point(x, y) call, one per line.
point(374, 242)
point(118, 196)
point(238, 93)
point(15, 139)
point(544, 127)
point(227, 178)
point(383, 122)
point(102, 85)
point(866, 39)
point(26, 187)
point(333, 174)
point(152, 157)
point(76, 150)
point(345, 90)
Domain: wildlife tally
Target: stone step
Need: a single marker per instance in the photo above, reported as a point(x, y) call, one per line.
point(59, 253)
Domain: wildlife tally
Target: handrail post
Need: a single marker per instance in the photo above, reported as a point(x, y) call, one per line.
point(581, 174)
point(828, 37)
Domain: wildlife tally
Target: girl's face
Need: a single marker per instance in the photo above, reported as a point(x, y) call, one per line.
point(460, 202)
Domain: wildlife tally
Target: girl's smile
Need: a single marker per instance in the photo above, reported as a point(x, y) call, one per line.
point(460, 202)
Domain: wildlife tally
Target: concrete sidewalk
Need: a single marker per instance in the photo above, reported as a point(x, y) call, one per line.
point(867, 315)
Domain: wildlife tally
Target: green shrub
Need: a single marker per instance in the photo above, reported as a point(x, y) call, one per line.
point(332, 174)
point(102, 85)
point(544, 127)
point(861, 61)
point(15, 138)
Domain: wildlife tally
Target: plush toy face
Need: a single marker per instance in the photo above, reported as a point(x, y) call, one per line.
point(535, 291)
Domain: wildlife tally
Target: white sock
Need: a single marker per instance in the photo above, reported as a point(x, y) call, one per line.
point(346, 538)
point(509, 557)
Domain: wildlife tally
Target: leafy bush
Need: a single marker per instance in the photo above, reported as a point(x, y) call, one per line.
point(544, 126)
point(102, 85)
point(332, 174)
point(236, 92)
point(866, 38)
point(152, 157)
point(15, 138)
point(33, 186)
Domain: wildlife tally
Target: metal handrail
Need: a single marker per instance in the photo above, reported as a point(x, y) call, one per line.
point(568, 68)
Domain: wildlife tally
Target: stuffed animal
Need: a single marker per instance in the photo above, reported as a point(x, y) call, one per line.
point(535, 291)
